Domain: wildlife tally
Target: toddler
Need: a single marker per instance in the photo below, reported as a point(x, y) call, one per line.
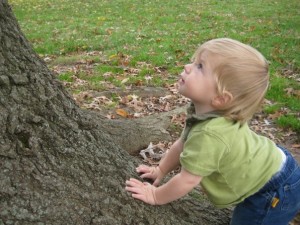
point(226, 83)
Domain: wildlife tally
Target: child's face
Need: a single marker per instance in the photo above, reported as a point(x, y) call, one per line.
point(197, 81)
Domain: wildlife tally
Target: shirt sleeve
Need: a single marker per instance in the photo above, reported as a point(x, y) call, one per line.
point(202, 153)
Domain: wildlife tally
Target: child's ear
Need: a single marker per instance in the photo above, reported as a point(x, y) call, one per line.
point(222, 100)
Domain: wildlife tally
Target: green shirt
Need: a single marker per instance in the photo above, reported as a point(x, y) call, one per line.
point(234, 161)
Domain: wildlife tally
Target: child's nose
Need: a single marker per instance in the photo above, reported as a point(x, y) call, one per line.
point(187, 68)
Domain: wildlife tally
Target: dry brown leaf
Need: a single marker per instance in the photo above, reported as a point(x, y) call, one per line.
point(122, 112)
point(289, 91)
point(297, 93)
point(110, 116)
point(275, 115)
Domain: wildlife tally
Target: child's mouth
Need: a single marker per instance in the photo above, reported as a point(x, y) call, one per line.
point(181, 81)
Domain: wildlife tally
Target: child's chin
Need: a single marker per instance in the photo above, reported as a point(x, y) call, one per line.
point(180, 90)
point(180, 84)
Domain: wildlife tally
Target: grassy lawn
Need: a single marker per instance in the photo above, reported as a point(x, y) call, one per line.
point(155, 38)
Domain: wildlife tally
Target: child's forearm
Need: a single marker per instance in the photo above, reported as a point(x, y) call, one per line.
point(171, 159)
point(177, 187)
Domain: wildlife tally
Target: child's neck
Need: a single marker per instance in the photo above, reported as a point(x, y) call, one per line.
point(202, 109)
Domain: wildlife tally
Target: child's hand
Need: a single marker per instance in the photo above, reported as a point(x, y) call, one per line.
point(142, 191)
point(153, 173)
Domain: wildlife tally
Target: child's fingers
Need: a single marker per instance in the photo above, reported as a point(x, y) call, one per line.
point(147, 175)
point(140, 197)
point(134, 190)
point(145, 172)
point(136, 186)
point(156, 182)
point(133, 186)
point(143, 169)
point(140, 190)
point(134, 182)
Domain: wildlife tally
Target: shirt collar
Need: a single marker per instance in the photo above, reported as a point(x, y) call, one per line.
point(193, 117)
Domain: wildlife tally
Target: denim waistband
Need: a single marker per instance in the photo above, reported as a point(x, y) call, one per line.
point(279, 178)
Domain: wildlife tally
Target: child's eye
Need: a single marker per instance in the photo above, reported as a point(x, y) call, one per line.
point(199, 66)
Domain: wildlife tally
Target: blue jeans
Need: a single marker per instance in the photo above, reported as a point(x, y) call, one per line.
point(263, 208)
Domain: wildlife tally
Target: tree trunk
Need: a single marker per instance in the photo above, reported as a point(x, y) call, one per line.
point(59, 164)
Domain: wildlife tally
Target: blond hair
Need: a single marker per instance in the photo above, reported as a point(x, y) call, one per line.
point(242, 71)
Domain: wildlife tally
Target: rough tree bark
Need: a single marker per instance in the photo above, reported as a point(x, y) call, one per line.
point(58, 163)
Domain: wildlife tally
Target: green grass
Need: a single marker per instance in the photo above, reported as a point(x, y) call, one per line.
point(289, 121)
point(164, 34)
point(65, 77)
point(278, 92)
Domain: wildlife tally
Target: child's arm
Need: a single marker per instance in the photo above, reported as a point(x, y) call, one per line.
point(169, 162)
point(171, 159)
point(175, 188)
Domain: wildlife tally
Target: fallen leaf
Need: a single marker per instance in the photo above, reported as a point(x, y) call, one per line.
point(289, 91)
point(297, 93)
point(110, 116)
point(124, 80)
point(275, 115)
point(122, 112)
point(109, 31)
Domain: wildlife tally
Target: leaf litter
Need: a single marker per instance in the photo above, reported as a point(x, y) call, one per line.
point(132, 101)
